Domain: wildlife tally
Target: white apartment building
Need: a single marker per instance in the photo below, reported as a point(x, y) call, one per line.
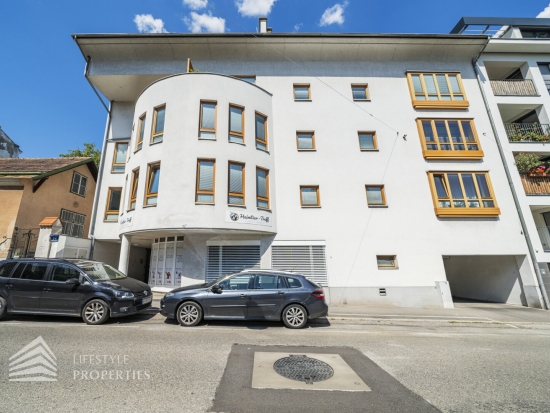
point(365, 161)
point(514, 71)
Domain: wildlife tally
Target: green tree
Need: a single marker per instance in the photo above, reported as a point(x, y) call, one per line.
point(89, 151)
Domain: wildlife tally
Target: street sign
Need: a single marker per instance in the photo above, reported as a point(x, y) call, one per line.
point(54, 237)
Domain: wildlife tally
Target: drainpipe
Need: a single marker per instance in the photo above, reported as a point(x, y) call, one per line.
point(546, 303)
point(99, 179)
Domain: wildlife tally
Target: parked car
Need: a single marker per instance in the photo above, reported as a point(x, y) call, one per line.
point(248, 295)
point(92, 290)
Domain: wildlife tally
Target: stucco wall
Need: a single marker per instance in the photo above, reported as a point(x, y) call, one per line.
point(10, 200)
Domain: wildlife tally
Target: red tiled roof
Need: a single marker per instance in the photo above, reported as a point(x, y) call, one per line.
point(35, 166)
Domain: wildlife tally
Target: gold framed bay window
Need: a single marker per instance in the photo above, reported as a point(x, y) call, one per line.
point(463, 194)
point(133, 189)
point(262, 188)
point(152, 188)
point(437, 90)
point(119, 157)
point(207, 119)
point(302, 91)
point(236, 124)
point(309, 196)
point(449, 139)
point(261, 131)
point(112, 207)
point(236, 184)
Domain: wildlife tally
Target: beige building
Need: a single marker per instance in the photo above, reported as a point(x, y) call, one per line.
point(34, 188)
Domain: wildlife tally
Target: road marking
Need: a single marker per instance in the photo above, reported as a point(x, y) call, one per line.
point(406, 315)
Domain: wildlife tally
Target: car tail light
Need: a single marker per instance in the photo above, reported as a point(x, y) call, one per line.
point(319, 294)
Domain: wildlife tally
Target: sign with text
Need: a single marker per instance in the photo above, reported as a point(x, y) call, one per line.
point(239, 217)
point(54, 237)
point(126, 222)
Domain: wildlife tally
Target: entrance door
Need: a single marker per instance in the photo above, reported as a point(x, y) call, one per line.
point(26, 285)
point(58, 296)
point(232, 300)
point(267, 296)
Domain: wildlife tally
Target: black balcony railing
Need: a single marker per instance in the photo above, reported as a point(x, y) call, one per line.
point(527, 132)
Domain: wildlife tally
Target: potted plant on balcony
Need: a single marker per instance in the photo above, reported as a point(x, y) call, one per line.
point(527, 163)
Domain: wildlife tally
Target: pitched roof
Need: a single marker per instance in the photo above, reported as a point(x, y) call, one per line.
point(48, 221)
point(41, 167)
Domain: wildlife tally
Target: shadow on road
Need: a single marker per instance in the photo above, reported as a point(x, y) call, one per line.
point(253, 325)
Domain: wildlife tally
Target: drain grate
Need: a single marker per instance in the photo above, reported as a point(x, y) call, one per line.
point(303, 368)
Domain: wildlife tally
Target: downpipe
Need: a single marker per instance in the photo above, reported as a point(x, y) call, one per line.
point(510, 182)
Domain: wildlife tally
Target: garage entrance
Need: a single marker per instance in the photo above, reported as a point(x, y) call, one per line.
point(494, 278)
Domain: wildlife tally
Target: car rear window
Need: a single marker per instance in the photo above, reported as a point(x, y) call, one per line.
point(294, 283)
point(6, 268)
point(34, 271)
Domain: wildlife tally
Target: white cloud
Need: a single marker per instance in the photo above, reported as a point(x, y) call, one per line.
point(334, 14)
point(204, 23)
point(195, 4)
point(146, 23)
point(251, 8)
point(545, 13)
point(298, 26)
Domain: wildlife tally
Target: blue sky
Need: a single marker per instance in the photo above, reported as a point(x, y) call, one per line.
point(47, 107)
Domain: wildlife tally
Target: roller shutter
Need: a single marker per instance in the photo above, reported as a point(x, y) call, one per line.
point(308, 260)
point(227, 259)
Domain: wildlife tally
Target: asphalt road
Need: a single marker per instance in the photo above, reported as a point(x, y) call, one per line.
point(144, 363)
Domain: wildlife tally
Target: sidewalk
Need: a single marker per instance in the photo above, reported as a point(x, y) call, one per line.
point(463, 312)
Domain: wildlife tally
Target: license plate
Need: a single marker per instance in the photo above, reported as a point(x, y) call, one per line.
point(146, 300)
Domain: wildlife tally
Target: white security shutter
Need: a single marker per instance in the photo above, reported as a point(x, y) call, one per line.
point(227, 259)
point(308, 260)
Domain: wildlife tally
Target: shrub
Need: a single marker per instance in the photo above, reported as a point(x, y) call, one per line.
point(526, 162)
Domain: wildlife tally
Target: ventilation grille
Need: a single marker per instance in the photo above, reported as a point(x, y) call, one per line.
point(227, 259)
point(382, 291)
point(308, 260)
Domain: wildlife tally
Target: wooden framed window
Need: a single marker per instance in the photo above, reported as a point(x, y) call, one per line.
point(119, 157)
point(152, 186)
point(305, 141)
point(247, 78)
point(206, 181)
point(386, 262)
point(112, 207)
point(78, 185)
point(262, 188)
point(360, 92)
point(236, 124)
point(376, 195)
point(133, 189)
point(207, 121)
point(437, 90)
point(140, 132)
point(302, 92)
point(157, 132)
point(449, 138)
point(261, 131)
point(367, 141)
point(463, 194)
point(236, 184)
point(309, 196)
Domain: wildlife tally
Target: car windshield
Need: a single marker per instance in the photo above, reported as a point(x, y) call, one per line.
point(98, 271)
point(216, 281)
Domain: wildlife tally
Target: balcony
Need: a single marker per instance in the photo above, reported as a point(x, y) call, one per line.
point(513, 87)
point(536, 185)
point(527, 132)
point(544, 235)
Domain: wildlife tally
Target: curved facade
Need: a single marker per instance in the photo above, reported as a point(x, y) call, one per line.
point(181, 148)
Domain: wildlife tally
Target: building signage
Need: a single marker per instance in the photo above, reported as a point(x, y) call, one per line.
point(239, 217)
point(54, 237)
point(126, 222)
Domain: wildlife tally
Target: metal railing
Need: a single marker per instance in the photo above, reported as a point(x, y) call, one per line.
point(513, 87)
point(527, 132)
point(544, 234)
point(536, 184)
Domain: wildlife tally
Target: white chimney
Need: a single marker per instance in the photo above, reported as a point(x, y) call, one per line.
point(263, 24)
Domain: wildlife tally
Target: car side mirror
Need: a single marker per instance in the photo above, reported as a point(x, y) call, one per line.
point(73, 281)
point(216, 289)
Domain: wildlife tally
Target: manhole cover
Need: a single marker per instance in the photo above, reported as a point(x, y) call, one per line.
point(303, 368)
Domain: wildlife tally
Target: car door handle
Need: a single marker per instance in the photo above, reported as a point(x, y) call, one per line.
point(281, 292)
point(8, 286)
point(243, 295)
point(46, 289)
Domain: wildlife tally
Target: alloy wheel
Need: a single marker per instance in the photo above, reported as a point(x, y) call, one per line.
point(189, 314)
point(94, 312)
point(295, 316)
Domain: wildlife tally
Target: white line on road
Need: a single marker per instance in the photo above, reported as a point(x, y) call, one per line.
point(407, 315)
